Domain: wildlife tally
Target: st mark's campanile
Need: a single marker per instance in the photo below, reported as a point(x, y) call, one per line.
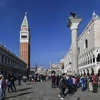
point(25, 42)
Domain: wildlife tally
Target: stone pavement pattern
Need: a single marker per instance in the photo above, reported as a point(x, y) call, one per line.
point(43, 91)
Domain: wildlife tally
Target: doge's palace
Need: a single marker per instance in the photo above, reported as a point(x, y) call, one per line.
point(88, 49)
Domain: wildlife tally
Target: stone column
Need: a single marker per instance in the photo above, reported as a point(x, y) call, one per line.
point(96, 59)
point(95, 55)
point(73, 25)
point(90, 71)
point(92, 58)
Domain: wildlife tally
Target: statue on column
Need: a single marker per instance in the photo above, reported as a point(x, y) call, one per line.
point(73, 15)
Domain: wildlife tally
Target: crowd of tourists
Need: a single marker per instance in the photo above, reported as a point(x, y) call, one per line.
point(8, 84)
point(37, 78)
point(69, 84)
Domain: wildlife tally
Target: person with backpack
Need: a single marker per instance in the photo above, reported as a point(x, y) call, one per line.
point(95, 83)
point(62, 86)
point(12, 79)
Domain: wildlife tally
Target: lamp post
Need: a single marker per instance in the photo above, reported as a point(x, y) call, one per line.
point(73, 23)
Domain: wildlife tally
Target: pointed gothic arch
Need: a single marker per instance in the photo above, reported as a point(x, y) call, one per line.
point(88, 72)
point(62, 66)
point(84, 72)
point(92, 71)
point(99, 72)
point(98, 58)
point(78, 50)
point(53, 72)
point(86, 43)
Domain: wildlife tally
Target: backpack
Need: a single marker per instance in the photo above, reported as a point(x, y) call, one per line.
point(96, 79)
point(64, 83)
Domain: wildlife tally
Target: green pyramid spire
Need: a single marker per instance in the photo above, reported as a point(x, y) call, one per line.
point(25, 21)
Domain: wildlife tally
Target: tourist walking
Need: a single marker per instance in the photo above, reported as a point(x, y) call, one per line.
point(83, 84)
point(12, 78)
point(77, 81)
point(19, 79)
point(57, 80)
point(9, 84)
point(74, 84)
point(70, 85)
point(62, 86)
point(4, 86)
point(86, 81)
point(90, 83)
point(95, 83)
point(53, 78)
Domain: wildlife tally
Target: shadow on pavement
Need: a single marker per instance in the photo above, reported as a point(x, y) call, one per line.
point(78, 98)
point(25, 89)
point(24, 93)
point(29, 83)
point(21, 94)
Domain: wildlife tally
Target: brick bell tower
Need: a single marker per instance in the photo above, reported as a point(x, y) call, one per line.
point(25, 43)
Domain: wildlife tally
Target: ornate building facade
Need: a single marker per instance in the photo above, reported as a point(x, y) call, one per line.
point(25, 43)
point(55, 68)
point(88, 49)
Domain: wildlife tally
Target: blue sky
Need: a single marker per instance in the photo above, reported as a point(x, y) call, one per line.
point(50, 38)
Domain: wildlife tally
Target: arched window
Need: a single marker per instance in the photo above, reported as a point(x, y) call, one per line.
point(98, 58)
point(2, 58)
point(93, 58)
point(92, 71)
point(62, 66)
point(88, 72)
point(88, 60)
point(99, 72)
point(53, 72)
point(78, 50)
point(86, 43)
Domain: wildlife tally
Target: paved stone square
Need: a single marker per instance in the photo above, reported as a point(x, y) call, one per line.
point(43, 91)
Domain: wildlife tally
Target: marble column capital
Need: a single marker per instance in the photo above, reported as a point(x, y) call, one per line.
point(74, 23)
